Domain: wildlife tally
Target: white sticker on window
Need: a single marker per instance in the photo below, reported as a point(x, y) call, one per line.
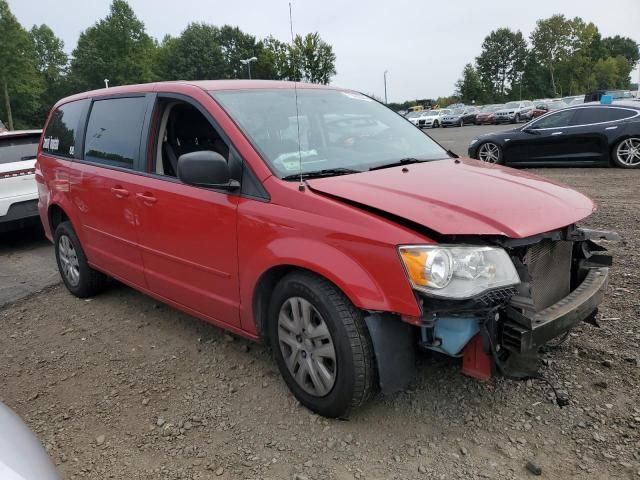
point(72, 150)
point(45, 144)
point(55, 143)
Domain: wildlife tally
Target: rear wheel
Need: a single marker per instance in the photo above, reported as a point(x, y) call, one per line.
point(79, 278)
point(321, 345)
point(626, 153)
point(490, 152)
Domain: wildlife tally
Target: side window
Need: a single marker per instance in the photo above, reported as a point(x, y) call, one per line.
point(182, 128)
point(554, 120)
point(114, 130)
point(586, 116)
point(60, 135)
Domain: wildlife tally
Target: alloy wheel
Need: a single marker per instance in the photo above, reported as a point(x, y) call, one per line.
point(69, 260)
point(628, 152)
point(307, 346)
point(489, 153)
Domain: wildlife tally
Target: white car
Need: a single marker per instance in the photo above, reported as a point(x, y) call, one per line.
point(431, 118)
point(413, 117)
point(18, 191)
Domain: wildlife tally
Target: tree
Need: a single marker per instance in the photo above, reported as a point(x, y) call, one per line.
point(312, 59)
point(469, 88)
point(116, 48)
point(624, 46)
point(19, 79)
point(502, 60)
point(52, 63)
point(194, 55)
point(552, 43)
point(273, 61)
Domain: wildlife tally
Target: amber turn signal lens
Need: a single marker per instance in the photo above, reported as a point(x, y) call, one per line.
point(415, 261)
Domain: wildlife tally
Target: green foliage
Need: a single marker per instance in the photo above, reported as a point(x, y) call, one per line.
point(52, 64)
point(623, 46)
point(312, 59)
point(20, 84)
point(502, 60)
point(115, 48)
point(470, 88)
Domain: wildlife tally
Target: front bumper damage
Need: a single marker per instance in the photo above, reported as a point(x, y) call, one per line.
point(564, 276)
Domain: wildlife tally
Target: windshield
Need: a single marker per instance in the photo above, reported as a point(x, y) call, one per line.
point(413, 114)
point(431, 113)
point(336, 130)
point(457, 111)
point(512, 105)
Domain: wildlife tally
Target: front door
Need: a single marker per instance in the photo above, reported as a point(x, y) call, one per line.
point(188, 234)
point(541, 141)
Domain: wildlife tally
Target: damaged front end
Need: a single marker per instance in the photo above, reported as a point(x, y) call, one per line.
point(563, 278)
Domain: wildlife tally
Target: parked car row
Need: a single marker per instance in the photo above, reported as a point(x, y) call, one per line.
point(587, 134)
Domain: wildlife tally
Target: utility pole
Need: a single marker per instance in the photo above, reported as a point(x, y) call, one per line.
point(385, 86)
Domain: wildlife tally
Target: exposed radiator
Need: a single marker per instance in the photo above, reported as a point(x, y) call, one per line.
point(549, 266)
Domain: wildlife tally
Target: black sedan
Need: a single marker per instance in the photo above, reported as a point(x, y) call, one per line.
point(588, 134)
point(459, 117)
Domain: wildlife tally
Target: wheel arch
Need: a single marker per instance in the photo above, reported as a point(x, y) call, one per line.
point(264, 289)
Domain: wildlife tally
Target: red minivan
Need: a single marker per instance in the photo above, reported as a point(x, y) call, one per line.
point(320, 222)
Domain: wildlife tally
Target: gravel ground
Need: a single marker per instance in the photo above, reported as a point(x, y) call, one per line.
point(120, 386)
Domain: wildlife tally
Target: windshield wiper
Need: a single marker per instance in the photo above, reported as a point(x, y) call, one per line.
point(402, 161)
point(327, 172)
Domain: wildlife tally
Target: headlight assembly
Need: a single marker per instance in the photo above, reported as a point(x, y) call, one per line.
point(457, 272)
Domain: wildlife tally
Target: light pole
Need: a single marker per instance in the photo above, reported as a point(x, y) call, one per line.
point(247, 62)
point(385, 86)
point(106, 83)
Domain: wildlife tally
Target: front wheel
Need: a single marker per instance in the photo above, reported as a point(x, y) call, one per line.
point(490, 152)
point(79, 278)
point(626, 153)
point(321, 345)
point(435, 124)
point(516, 119)
point(461, 123)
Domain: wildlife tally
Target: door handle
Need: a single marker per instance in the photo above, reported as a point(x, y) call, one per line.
point(611, 128)
point(146, 198)
point(120, 192)
point(556, 133)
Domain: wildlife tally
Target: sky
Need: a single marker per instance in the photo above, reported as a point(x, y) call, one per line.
point(423, 44)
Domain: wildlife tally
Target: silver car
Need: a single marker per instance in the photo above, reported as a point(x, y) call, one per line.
point(515, 112)
point(21, 454)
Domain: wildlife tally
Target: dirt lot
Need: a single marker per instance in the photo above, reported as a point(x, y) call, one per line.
point(122, 387)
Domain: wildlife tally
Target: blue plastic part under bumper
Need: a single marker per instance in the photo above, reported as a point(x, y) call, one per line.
point(453, 333)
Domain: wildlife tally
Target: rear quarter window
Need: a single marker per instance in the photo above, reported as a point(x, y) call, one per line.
point(18, 149)
point(586, 116)
point(61, 133)
point(114, 131)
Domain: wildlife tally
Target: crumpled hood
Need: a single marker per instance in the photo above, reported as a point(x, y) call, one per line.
point(463, 197)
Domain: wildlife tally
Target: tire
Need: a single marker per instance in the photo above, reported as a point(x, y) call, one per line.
point(626, 153)
point(516, 119)
point(435, 124)
point(461, 123)
point(491, 152)
point(352, 366)
point(79, 278)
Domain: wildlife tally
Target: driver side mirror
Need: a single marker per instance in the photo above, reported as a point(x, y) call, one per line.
point(206, 168)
